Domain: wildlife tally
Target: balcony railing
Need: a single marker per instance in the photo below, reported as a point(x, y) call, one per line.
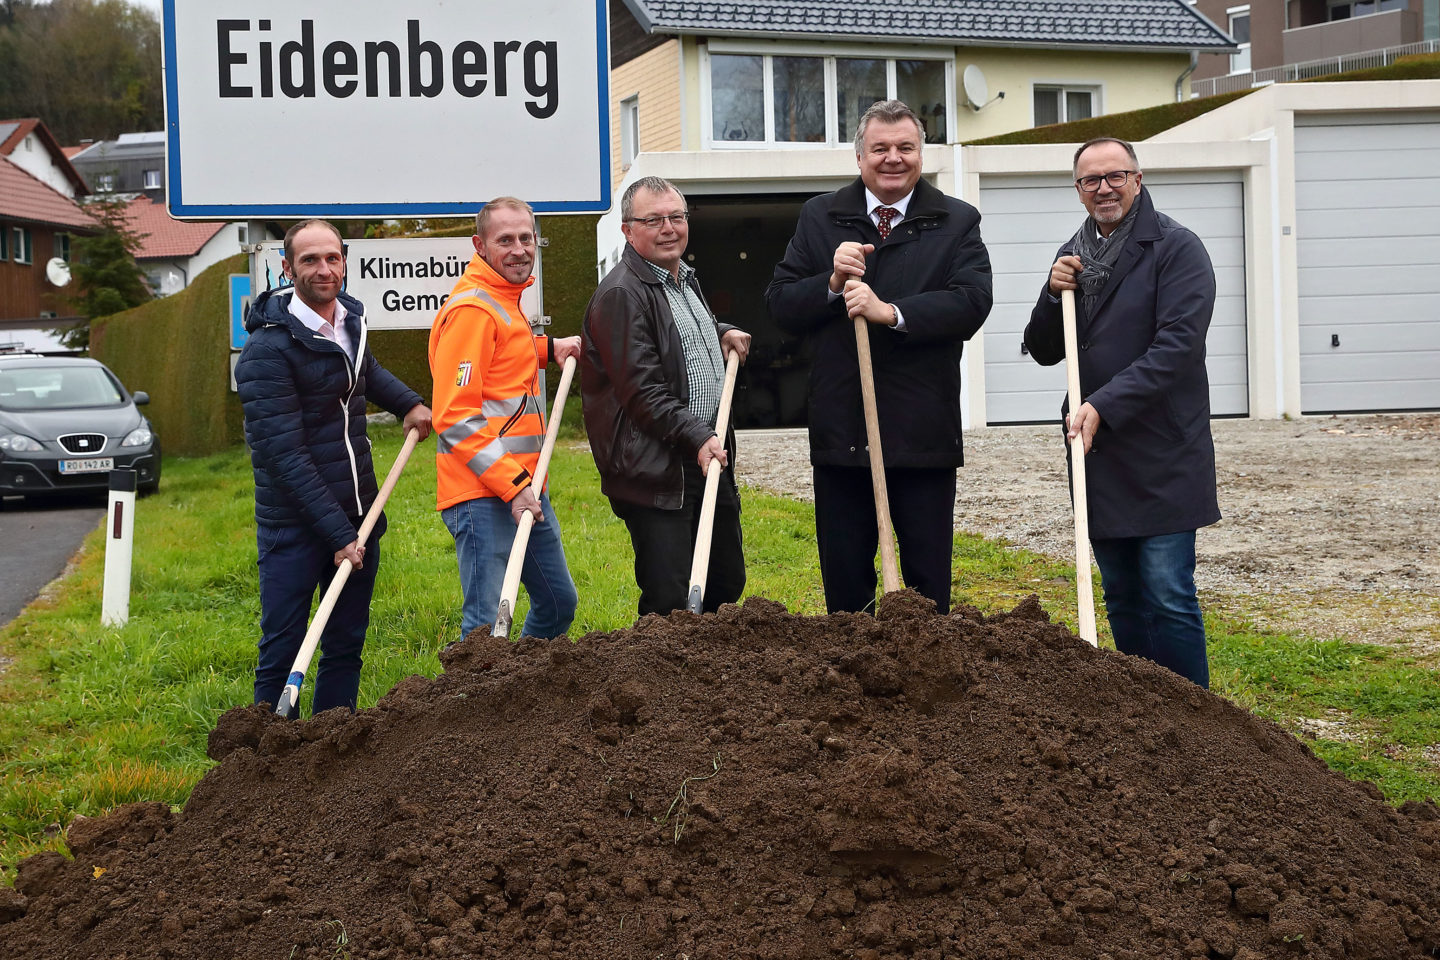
point(1310, 68)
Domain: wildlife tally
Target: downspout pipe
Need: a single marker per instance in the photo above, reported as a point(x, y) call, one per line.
point(1180, 80)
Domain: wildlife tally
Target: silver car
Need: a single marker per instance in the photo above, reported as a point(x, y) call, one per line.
point(65, 423)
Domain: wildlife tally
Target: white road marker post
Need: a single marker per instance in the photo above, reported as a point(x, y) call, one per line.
point(119, 549)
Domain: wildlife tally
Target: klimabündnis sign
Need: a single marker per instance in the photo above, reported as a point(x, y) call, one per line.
point(332, 108)
point(403, 282)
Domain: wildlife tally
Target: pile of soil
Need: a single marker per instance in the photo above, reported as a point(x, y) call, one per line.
point(755, 784)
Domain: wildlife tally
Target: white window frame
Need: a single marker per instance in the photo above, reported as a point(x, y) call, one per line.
point(152, 180)
point(1242, 49)
point(629, 130)
point(1095, 89)
point(22, 244)
point(829, 54)
point(105, 183)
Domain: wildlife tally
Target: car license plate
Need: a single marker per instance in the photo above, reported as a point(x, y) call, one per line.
point(94, 465)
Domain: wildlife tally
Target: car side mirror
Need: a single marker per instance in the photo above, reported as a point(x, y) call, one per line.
point(141, 398)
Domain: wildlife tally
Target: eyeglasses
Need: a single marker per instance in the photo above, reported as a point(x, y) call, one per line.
point(1116, 179)
point(655, 223)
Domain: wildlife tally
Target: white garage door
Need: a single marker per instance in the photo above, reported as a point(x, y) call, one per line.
point(1367, 224)
point(1025, 221)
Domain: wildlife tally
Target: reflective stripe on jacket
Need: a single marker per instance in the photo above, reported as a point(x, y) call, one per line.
point(488, 413)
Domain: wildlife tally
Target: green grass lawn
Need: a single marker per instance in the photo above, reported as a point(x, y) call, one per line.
point(91, 717)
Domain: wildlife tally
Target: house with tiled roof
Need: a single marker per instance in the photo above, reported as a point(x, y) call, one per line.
point(38, 218)
point(29, 145)
point(174, 252)
point(750, 106)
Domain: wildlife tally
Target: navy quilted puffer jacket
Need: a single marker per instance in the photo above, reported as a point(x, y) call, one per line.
point(304, 407)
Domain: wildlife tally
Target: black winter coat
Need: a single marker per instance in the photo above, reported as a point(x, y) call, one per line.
point(635, 390)
point(304, 406)
point(935, 268)
point(1151, 469)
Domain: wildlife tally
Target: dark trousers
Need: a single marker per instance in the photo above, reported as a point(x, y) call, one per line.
point(1149, 587)
point(664, 542)
point(922, 508)
point(294, 563)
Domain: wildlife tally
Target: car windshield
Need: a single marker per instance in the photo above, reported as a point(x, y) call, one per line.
point(57, 388)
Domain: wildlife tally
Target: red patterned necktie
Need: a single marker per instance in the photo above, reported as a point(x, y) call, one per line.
point(885, 215)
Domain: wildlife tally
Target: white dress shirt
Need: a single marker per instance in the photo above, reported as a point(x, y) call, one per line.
point(313, 321)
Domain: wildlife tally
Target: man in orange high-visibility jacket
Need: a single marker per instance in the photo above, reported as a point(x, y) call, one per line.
point(490, 425)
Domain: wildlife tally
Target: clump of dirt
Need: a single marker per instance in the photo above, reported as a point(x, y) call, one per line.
point(756, 785)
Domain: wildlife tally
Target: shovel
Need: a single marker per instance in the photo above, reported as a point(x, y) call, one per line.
point(889, 569)
point(700, 566)
point(290, 696)
point(1084, 591)
point(510, 586)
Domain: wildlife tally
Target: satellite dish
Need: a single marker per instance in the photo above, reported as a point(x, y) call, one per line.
point(977, 91)
point(57, 271)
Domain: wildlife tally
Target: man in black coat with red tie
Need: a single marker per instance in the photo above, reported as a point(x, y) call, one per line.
point(896, 251)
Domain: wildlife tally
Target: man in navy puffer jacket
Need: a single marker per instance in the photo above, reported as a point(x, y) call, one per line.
point(304, 378)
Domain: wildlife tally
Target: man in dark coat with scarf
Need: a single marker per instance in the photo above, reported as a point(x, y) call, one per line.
point(893, 249)
point(304, 378)
point(1145, 291)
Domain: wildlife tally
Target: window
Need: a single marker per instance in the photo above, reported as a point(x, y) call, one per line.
point(4, 243)
point(20, 244)
point(1240, 30)
point(152, 179)
point(1064, 104)
point(921, 83)
point(105, 183)
point(629, 131)
point(858, 84)
point(62, 246)
point(783, 99)
point(799, 99)
point(1345, 9)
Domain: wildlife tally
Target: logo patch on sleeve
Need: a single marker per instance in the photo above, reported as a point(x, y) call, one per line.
point(462, 374)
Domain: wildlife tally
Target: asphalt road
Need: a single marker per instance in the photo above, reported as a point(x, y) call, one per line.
point(37, 537)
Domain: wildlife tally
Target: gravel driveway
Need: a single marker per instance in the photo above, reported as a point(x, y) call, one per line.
point(1332, 524)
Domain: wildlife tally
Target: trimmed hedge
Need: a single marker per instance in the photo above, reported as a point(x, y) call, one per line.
point(178, 348)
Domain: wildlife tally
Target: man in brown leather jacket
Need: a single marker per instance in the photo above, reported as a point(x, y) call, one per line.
point(651, 371)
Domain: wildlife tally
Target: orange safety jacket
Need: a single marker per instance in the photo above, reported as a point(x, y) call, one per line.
point(489, 417)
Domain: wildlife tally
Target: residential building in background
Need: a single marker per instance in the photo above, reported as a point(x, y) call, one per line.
point(174, 252)
point(39, 216)
point(1279, 40)
point(134, 163)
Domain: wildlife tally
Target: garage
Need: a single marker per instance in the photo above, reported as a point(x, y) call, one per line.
point(1026, 218)
point(1367, 224)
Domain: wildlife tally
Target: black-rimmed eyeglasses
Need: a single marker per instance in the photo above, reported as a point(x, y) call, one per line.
point(1116, 179)
point(654, 223)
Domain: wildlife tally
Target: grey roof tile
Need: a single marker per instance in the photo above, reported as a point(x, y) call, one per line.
point(1167, 23)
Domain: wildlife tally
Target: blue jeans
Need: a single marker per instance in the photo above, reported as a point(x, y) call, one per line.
point(484, 532)
point(1149, 587)
point(294, 563)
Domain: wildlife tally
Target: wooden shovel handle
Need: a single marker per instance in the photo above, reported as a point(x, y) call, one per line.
point(510, 586)
point(889, 569)
point(700, 564)
point(1084, 592)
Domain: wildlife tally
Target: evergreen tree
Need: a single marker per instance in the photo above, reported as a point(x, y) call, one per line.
point(107, 278)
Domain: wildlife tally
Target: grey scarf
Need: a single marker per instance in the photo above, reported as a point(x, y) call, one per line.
point(1099, 256)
